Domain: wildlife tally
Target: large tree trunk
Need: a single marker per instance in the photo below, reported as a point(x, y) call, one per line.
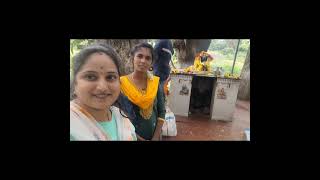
point(180, 46)
point(186, 49)
point(244, 88)
point(123, 47)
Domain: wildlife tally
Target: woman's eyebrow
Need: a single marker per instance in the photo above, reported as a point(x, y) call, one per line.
point(112, 72)
point(90, 72)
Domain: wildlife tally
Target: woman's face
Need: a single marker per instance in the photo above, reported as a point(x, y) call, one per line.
point(142, 60)
point(97, 83)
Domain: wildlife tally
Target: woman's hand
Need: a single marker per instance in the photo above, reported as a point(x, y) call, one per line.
point(157, 133)
point(139, 138)
point(156, 137)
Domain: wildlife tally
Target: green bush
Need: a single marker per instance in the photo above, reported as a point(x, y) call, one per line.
point(244, 45)
point(228, 51)
point(217, 44)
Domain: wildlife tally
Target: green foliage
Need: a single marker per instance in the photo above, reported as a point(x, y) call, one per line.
point(224, 50)
point(71, 62)
point(77, 44)
point(227, 65)
point(228, 51)
point(244, 45)
point(217, 44)
point(175, 59)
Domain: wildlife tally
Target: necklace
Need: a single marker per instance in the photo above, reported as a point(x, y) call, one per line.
point(141, 90)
